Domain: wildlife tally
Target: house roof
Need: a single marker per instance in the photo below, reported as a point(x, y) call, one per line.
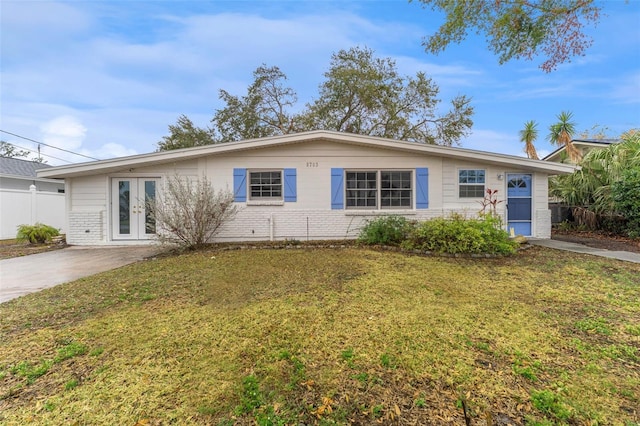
point(587, 143)
point(18, 167)
point(125, 163)
point(15, 168)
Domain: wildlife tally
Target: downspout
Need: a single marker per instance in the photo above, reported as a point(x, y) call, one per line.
point(271, 227)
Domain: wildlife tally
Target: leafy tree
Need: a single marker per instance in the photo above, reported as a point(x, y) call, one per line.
point(361, 94)
point(561, 134)
point(595, 132)
point(528, 135)
point(590, 188)
point(185, 134)
point(365, 95)
point(262, 112)
point(517, 29)
point(626, 199)
point(10, 151)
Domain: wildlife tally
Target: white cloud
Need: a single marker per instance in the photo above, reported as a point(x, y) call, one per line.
point(64, 132)
point(112, 150)
point(68, 133)
point(544, 152)
point(120, 75)
point(20, 18)
point(115, 87)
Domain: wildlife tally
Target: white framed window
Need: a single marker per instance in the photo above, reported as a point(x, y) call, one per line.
point(379, 189)
point(265, 185)
point(396, 189)
point(471, 183)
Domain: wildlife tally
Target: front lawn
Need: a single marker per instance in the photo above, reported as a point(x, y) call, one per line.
point(329, 336)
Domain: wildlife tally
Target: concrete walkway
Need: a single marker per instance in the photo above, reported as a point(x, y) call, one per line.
point(28, 274)
point(627, 256)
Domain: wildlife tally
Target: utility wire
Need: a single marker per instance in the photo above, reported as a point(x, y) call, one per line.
point(39, 153)
point(50, 146)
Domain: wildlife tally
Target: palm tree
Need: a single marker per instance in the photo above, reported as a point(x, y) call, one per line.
point(561, 134)
point(528, 135)
point(589, 190)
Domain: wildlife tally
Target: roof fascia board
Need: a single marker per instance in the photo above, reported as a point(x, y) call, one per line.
point(143, 160)
point(595, 144)
point(31, 178)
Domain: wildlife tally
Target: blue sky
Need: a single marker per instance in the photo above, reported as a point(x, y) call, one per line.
point(107, 78)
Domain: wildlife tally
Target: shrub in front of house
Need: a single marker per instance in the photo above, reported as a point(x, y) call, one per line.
point(385, 230)
point(626, 199)
point(36, 234)
point(459, 235)
point(191, 212)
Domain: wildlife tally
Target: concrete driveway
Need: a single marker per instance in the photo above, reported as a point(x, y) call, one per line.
point(28, 274)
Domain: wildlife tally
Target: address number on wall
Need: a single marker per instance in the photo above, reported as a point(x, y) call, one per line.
point(312, 164)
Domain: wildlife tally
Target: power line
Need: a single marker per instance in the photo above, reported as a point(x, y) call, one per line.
point(50, 146)
point(39, 153)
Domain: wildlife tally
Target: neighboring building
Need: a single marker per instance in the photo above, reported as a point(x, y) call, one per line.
point(583, 146)
point(26, 198)
point(312, 185)
point(21, 174)
point(559, 211)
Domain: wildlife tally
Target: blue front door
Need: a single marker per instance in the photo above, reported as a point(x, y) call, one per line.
point(519, 203)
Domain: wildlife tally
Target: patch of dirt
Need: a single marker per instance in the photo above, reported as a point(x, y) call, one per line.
point(11, 248)
point(598, 240)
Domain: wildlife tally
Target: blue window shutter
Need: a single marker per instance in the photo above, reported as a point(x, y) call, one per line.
point(239, 185)
point(422, 188)
point(290, 187)
point(337, 189)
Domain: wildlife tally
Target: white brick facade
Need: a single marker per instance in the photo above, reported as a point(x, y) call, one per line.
point(86, 228)
point(542, 223)
point(92, 198)
point(303, 225)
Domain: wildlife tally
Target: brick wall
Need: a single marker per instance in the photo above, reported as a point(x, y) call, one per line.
point(259, 224)
point(542, 223)
point(86, 228)
point(302, 225)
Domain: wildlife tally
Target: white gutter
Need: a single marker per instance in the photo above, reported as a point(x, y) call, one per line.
point(142, 160)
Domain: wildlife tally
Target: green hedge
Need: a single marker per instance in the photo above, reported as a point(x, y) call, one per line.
point(454, 234)
point(385, 230)
point(459, 235)
point(626, 198)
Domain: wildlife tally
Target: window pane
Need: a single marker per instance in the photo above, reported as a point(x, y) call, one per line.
point(150, 196)
point(124, 212)
point(471, 183)
point(361, 189)
point(471, 191)
point(396, 189)
point(266, 184)
point(471, 176)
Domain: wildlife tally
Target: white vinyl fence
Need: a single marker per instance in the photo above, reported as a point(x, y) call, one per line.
point(19, 207)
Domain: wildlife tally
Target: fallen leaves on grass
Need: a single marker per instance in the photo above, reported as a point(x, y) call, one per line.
point(349, 336)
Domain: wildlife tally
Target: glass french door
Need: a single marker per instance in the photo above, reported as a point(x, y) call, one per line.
point(131, 220)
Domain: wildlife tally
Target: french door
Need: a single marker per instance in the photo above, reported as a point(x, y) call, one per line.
point(131, 220)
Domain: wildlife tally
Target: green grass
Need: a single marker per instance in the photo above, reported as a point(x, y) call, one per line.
point(321, 336)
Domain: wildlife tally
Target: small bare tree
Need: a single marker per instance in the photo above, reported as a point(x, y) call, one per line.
point(189, 212)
